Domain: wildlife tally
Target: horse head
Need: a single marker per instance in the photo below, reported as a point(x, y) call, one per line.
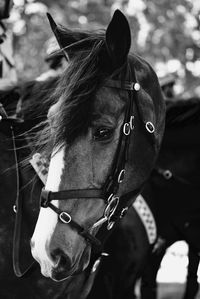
point(103, 136)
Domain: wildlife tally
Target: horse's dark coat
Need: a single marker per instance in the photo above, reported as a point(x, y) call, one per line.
point(175, 202)
point(149, 108)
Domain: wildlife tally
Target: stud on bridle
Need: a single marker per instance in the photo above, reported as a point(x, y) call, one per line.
point(116, 206)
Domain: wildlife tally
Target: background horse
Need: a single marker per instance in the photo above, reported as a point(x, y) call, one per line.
point(173, 189)
point(148, 111)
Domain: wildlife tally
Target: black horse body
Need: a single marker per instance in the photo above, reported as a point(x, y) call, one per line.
point(173, 196)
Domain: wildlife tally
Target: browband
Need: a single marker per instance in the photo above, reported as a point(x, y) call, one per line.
point(122, 85)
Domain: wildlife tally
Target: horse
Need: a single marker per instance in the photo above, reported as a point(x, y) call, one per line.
point(172, 193)
point(88, 147)
point(104, 96)
point(21, 101)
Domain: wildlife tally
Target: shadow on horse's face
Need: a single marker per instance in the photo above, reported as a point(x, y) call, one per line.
point(83, 165)
point(91, 127)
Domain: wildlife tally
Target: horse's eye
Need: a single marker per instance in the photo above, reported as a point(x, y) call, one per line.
point(102, 134)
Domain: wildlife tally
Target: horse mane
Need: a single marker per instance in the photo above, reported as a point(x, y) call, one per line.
point(77, 87)
point(29, 99)
point(35, 99)
point(182, 112)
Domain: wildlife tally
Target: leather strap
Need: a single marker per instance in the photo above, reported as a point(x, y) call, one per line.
point(18, 203)
point(84, 233)
point(48, 196)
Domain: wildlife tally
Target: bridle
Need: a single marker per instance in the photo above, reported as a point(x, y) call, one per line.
point(116, 206)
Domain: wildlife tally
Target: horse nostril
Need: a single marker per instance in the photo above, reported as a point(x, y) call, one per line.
point(61, 260)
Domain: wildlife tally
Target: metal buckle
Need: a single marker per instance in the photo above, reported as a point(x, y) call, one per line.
point(150, 127)
point(121, 176)
point(65, 217)
point(126, 129)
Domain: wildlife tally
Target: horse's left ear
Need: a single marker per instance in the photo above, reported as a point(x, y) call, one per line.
point(65, 37)
point(57, 33)
point(118, 39)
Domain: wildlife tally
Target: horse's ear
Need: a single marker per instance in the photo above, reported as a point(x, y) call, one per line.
point(66, 37)
point(58, 35)
point(118, 39)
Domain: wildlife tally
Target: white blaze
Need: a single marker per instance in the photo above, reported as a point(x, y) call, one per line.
point(48, 218)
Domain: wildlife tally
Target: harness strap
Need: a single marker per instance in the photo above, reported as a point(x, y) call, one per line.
point(16, 244)
point(83, 232)
point(18, 204)
point(126, 85)
point(47, 196)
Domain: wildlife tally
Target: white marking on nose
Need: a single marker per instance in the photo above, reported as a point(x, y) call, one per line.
point(47, 219)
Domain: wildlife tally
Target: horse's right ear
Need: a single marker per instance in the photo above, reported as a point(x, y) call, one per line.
point(118, 39)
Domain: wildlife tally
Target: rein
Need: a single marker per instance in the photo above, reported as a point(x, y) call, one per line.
point(116, 206)
point(17, 207)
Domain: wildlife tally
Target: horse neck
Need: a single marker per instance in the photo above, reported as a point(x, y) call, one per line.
point(180, 152)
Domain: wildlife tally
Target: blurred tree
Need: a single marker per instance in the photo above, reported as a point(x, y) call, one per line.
point(165, 32)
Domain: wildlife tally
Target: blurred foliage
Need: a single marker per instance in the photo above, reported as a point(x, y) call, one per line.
point(165, 32)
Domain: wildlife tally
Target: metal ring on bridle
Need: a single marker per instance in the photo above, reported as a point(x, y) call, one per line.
point(123, 212)
point(65, 217)
point(110, 225)
point(167, 174)
point(15, 208)
point(150, 127)
point(96, 265)
point(126, 129)
point(121, 176)
point(110, 197)
point(109, 210)
point(131, 122)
